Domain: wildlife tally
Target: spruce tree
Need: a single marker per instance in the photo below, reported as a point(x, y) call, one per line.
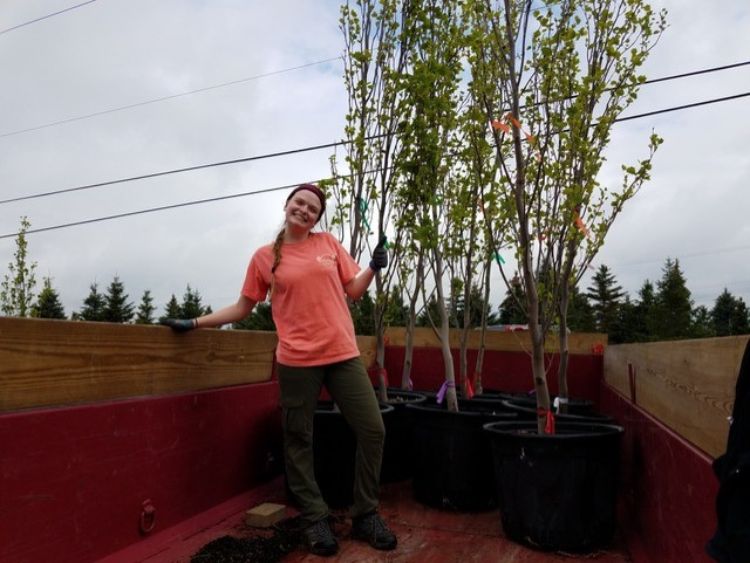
point(740, 318)
point(116, 306)
point(511, 309)
point(722, 313)
point(261, 318)
point(604, 296)
point(397, 312)
point(701, 323)
point(673, 304)
point(145, 314)
point(647, 314)
point(580, 312)
point(191, 306)
point(93, 305)
point(173, 309)
point(17, 288)
point(363, 316)
point(48, 305)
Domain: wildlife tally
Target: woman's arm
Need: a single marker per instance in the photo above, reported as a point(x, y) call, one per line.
point(358, 285)
point(229, 314)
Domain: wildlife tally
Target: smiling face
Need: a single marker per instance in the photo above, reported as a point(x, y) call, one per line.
point(302, 210)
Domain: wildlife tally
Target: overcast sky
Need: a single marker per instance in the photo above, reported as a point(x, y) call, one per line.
point(114, 53)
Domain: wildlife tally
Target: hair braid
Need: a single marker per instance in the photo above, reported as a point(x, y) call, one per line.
point(276, 257)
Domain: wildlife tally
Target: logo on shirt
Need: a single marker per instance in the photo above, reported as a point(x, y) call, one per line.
point(327, 260)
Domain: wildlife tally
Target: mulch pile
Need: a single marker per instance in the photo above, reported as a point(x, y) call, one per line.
point(284, 537)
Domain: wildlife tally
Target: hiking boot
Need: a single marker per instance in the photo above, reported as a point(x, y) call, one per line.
point(371, 528)
point(319, 538)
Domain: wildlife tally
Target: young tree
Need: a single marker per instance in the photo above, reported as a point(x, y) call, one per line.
point(17, 288)
point(604, 295)
point(145, 313)
point(116, 307)
point(48, 305)
point(553, 79)
point(93, 305)
point(375, 56)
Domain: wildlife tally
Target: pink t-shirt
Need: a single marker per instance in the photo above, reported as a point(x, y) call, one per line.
point(309, 305)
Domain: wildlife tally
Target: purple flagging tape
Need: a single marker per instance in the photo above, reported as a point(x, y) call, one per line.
point(443, 389)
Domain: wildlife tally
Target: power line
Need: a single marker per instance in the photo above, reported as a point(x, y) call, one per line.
point(255, 77)
point(312, 148)
point(149, 210)
point(164, 98)
point(172, 206)
point(47, 16)
point(186, 169)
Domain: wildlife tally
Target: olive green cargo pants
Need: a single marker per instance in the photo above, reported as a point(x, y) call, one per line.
point(350, 387)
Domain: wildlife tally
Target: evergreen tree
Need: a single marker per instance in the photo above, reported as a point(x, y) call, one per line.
point(191, 306)
point(511, 311)
point(261, 318)
point(431, 311)
point(604, 296)
point(17, 288)
point(116, 306)
point(172, 310)
point(628, 325)
point(580, 312)
point(647, 313)
point(475, 310)
point(740, 318)
point(145, 314)
point(396, 313)
point(729, 315)
point(722, 312)
point(701, 323)
point(363, 315)
point(673, 304)
point(93, 305)
point(48, 305)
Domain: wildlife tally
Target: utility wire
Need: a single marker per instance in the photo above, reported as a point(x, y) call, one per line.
point(241, 80)
point(164, 98)
point(312, 148)
point(47, 16)
point(187, 169)
point(172, 206)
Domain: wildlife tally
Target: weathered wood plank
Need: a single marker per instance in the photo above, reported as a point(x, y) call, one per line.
point(520, 341)
point(46, 363)
point(688, 384)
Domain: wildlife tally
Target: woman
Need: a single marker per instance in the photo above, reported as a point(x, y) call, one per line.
point(307, 275)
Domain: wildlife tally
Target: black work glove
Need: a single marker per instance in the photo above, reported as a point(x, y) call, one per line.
point(379, 255)
point(179, 325)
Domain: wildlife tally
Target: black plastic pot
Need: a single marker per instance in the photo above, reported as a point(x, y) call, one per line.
point(452, 459)
point(334, 449)
point(398, 451)
point(557, 492)
point(527, 410)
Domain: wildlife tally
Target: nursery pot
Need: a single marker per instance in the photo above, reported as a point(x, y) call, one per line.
point(558, 491)
point(452, 458)
point(398, 452)
point(334, 449)
point(527, 410)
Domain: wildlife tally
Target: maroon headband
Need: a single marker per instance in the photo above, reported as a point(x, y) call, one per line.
point(314, 189)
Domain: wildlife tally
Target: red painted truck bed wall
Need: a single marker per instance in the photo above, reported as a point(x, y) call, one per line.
point(668, 488)
point(508, 371)
point(74, 479)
